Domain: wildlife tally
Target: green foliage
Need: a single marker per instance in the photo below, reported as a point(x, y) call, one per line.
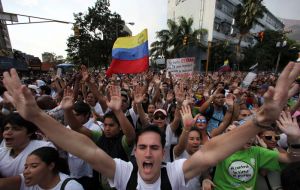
point(247, 14)
point(175, 40)
point(221, 51)
point(99, 28)
point(266, 53)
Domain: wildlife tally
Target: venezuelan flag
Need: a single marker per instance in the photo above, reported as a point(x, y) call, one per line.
point(225, 67)
point(130, 54)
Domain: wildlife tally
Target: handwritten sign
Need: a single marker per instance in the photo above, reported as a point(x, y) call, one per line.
point(181, 67)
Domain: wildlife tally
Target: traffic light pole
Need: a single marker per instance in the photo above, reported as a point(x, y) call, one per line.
point(13, 18)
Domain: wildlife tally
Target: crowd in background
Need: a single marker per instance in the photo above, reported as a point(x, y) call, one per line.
point(190, 112)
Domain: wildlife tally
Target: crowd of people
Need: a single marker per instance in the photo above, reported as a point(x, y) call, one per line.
point(150, 131)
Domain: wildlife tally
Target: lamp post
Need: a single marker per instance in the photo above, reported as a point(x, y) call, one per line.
point(279, 45)
point(117, 27)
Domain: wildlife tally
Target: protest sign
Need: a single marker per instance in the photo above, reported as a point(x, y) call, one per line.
point(181, 67)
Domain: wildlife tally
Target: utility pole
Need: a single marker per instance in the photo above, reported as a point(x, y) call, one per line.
point(208, 56)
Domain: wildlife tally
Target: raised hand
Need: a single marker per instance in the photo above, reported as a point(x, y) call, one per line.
point(20, 96)
point(134, 81)
point(229, 100)
point(179, 93)
point(68, 99)
point(289, 125)
point(85, 74)
point(261, 142)
point(276, 98)
point(138, 95)
point(115, 102)
point(156, 80)
point(187, 117)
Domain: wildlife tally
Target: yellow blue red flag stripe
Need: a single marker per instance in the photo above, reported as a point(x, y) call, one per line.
point(130, 55)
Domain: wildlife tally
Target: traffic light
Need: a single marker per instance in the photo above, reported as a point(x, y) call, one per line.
point(76, 31)
point(261, 36)
point(185, 38)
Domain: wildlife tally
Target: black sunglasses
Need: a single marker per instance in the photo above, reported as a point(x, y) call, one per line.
point(156, 117)
point(270, 137)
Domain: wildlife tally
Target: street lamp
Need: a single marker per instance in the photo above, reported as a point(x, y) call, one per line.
point(279, 45)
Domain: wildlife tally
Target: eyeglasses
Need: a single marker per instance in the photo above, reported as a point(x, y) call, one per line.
point(201, 121)
point(270, 137)
point(162, 117)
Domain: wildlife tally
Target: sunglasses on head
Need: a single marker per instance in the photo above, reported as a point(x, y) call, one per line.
point(201, 121)
point(156, 117)
point(270, 137)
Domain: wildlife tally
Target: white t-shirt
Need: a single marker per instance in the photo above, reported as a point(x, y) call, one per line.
point(78, 167)
point(193, 183)
point(124, 169)
point(98, 109)
point(170, 139)
point(10, 166)
point(71, 185)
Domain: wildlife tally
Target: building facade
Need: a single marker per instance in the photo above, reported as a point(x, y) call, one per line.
point(217, 17)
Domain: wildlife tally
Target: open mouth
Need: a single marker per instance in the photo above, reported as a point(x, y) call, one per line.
point(147, 166)
point(27, 181)
point(8, 141)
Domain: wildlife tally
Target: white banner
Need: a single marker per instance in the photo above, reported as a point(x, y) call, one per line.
point(181, 67)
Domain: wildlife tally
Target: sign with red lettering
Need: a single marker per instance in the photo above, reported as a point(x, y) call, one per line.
point(181, 67)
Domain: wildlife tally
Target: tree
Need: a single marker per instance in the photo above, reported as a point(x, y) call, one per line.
point(246, 16)
point(221, 50)
point(265, 52)
point(177, 39)
point(98, 28)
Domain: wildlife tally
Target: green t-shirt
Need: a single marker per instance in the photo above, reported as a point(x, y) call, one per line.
point(96, 135)
point(239, 171)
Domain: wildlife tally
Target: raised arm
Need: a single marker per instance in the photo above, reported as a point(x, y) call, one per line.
point(138, 97)
point(218, 148)
point(71, 141)
point(227, 118)
point(67, 104)
point(180, 96)
point(115, 104)
point(290, 127)
point(188, 122)
point(92, 86)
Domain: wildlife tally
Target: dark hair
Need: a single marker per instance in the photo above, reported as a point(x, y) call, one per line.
point(15, 119)
point(194, 128)
point(112, 116)
point(82, 108)
point(154, 129)
point(46, 89)
point(50, 155)
point(290, 176)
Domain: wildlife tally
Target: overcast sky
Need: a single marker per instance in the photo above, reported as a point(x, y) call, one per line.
point(51, 37)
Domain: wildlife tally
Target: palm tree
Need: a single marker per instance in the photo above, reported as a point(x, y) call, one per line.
point(170, 41)
point(245, 16)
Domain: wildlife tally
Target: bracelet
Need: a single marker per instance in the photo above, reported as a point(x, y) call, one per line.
point(257, 124)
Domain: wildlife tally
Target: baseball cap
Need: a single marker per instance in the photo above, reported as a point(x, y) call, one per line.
point(160, 110)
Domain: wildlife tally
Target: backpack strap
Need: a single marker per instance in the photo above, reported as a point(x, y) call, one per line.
point(164, 181)
point(64, 183)
point(132, 182)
